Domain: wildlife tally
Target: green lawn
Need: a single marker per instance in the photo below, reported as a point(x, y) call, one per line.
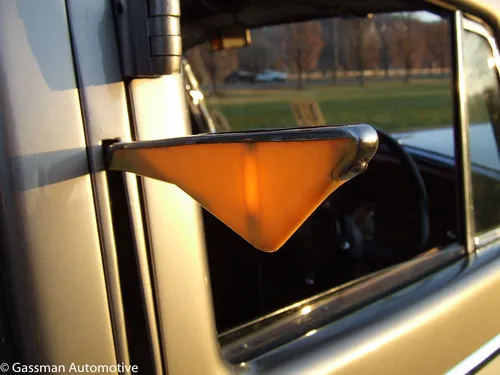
point(390, 105)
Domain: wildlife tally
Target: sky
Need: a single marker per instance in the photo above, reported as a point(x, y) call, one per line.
point(427, 16)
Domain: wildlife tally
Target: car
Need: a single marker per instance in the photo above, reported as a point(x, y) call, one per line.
point(240, 76)
point(271, 76)
point(138, 237)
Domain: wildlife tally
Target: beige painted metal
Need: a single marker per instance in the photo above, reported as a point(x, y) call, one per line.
point(492, 368)
point(487, 11)
point(478, 359)
point(104, 106)
point(53, 253)
point(174, 225)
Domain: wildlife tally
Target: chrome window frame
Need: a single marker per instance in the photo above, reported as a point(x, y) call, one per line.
point(465, 205)
point(470, 25)
point(303, 318)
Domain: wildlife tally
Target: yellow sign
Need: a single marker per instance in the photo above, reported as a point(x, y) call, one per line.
point(307, 113)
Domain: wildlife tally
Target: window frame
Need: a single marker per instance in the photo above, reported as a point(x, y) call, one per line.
point(266, 333)
point(473, 26)
point(465, 206)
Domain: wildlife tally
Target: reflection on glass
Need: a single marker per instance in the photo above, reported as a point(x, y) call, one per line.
point(306, 310)
point(310, 333)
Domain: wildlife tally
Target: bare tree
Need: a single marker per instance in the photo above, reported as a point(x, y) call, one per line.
point(363, 43)
point(261, 54)
point(437, 44)
point(303, 44)
point(335, 48)
point(383, 29)
point(408, 42)
point(385, 42)
point(219, 64)
point(359, 38)
point(406, 45)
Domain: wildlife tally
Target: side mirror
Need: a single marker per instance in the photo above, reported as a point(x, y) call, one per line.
point(262, 184)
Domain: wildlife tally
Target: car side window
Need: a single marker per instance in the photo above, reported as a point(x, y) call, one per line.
point(391, 71)
point(483, 96)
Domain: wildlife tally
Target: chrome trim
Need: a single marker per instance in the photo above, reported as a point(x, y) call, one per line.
point(462, 147)
point(196, 97)
point(297, 320)
point(482, 30)
point(476, 27)
point(478, 358)
point(364, 136)
point(487, 238)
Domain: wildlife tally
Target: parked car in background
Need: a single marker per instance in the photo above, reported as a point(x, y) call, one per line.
point(240, 76)
point(271, 76)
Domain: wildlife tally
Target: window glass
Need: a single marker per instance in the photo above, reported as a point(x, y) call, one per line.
point(484, 110)
point(390, 71)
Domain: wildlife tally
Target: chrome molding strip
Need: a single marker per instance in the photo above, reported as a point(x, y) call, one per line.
point(315, 312)
point(462, 147)
point(487, 238)
point(196, 97)
point(478, 358)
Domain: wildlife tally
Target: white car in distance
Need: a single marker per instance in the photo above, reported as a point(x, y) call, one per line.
point(271, 76)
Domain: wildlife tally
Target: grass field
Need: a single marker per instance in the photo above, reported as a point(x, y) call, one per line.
point(390, 105)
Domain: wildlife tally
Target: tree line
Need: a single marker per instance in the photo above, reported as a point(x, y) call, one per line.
point(330, 46)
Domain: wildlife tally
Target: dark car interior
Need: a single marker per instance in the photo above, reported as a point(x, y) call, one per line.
point(368, 224)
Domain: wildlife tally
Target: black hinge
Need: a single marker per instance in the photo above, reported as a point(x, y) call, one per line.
point(149, 37)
